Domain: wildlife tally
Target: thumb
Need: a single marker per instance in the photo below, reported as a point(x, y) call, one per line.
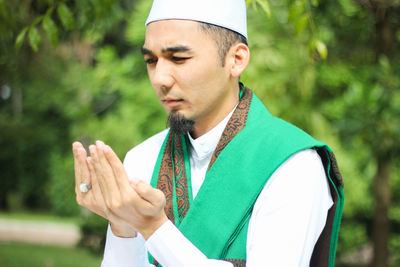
point(147, 192)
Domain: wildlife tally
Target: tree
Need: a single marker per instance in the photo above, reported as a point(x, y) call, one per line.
point(38, 106)
point(365, 107)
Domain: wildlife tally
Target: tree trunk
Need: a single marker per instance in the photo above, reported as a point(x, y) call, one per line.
point(17, 104)
point(383, 28)
point(382, 191)
point(381, 228)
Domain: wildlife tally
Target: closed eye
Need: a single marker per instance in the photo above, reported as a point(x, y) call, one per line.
point(150, 61)
point(179, 59)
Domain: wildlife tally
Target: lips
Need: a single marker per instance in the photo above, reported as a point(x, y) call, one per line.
point(171, 101)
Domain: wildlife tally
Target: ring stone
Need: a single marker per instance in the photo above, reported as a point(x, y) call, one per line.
point(84, 187)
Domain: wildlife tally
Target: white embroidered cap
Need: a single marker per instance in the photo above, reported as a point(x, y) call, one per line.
point(230, 14)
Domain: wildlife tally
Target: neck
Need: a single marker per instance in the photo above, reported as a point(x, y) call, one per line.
point(206, 124)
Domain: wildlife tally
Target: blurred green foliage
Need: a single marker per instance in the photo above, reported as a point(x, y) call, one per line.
point(319, 65)
point(94, 231)
point(17, 255)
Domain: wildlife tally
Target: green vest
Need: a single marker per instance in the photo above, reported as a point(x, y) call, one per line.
point(217, 220)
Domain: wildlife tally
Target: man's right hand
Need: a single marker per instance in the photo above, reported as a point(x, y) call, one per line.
point(93, 199)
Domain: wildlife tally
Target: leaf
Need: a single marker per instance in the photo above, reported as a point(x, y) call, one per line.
point(317, 46)
point(296, 9)
point(49, 11)
point(36, 21)
point(301, 23)
point(314, 2)
point(349, 7)
point(34, 38)
point(20, 38)
point(311, 46)
point(65, 16)
point(321, 49)
point(265, 5)
point(51, 29)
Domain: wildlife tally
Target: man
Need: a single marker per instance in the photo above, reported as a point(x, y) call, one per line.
point(228, 184)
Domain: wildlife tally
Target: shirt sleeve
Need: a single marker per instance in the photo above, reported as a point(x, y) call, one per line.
point(172, 249)
point(124, 252)
point(290, 213)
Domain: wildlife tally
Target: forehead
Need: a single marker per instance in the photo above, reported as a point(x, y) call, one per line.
point(164, 33)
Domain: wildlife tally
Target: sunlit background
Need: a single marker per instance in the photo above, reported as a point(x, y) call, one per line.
point(72, 70)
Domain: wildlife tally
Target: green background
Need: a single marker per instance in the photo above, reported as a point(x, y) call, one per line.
point(72, 70)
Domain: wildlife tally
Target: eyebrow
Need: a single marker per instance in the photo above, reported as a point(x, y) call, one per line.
point(175, 49)
point(170, 49)
point(146, 51)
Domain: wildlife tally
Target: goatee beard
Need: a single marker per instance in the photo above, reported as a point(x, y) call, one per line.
point(179, 124)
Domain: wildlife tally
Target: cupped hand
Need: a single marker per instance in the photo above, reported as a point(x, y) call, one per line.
point(135, 203)
point(93, 199)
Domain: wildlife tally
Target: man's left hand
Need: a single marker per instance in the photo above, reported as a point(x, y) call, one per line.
point(135, 202)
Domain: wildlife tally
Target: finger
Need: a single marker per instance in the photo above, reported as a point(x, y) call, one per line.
point(118, 168)
point(151, 202)
point(104, 175)
point(95, 183)
point(80, 166)
point(98, 198)
point(77, 169)
point(151, 195)
point(99, 203)
point(107, 168)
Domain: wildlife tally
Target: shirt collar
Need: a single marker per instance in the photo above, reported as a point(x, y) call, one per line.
point(204, 145)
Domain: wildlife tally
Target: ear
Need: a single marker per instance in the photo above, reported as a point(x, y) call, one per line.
point(239, 57)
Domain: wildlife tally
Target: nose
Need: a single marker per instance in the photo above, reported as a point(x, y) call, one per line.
point(161, 75)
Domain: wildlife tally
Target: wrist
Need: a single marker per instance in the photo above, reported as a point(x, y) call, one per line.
point(149, 231)
point(123, 230)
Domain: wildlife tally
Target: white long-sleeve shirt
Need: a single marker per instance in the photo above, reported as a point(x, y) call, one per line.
point(285, 224)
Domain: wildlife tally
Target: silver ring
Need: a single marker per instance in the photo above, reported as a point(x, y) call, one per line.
point(85, 187)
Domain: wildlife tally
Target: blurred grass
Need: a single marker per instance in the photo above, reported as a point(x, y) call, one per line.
point(17, 255)
point(35, 216)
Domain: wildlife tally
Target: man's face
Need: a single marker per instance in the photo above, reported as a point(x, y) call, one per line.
point(186, 72)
